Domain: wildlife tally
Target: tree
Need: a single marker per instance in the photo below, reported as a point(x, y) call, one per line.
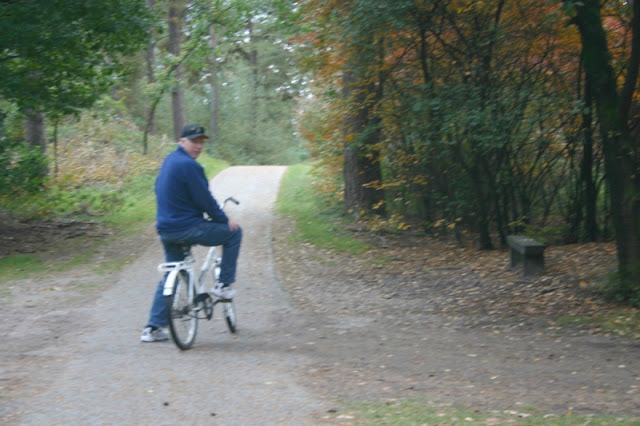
point(349, 45)
point(481, 112)
point(252, 81)
point(214, 83)
point(151, 78)
point(239, 83)
point(177, 93)
point(621, 150)
point(458, 99)
point(59, 56)
point(361, 171)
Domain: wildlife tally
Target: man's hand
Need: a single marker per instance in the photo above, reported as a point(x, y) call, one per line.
point(233, 226)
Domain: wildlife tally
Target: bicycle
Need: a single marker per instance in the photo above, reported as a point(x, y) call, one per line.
point(188, 301)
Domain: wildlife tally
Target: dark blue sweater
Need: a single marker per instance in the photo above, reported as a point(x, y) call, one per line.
point(182, 194)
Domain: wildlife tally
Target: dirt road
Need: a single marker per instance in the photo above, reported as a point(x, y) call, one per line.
point(319, 330)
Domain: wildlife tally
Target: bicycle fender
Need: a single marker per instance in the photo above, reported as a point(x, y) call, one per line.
point(168, 283)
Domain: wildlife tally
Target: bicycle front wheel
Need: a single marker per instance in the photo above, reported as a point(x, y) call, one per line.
point(229, 310)
point(183, 318)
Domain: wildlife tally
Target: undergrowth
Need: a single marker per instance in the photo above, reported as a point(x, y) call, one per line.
point(316, 222)
point(95, 168)
point(97, 174)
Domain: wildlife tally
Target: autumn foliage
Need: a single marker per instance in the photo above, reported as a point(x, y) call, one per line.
point(478, 113)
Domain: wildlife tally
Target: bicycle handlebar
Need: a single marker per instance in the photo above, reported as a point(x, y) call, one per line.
point(233, 200)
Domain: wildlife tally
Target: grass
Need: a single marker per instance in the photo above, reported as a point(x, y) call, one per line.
point(315, 222)
point(20, 266)
point(405, 412)
point(138, 208)
point(24, 265)
point(212, 166)
point(619, 321)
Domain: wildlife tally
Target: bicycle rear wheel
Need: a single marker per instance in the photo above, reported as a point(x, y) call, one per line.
point(229, 310)
point(183, 318)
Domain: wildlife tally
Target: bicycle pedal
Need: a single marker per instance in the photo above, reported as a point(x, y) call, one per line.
point(202, 298)
point(205, 302)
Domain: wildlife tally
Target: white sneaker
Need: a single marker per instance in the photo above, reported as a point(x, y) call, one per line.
point(150, 334)
point(223, 292)
point(216, 290)
point(228, 293)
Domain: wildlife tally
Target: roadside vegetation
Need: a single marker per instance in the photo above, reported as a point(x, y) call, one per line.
point(318, 220)
point(429, 413)
point(98, 180)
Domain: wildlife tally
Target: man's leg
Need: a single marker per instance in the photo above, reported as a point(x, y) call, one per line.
point(216, 234)
point(155, 331)
point(158, 313)
point(230, 253)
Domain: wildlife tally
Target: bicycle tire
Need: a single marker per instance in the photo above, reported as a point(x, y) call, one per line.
point(183, 318)
point(229, 310)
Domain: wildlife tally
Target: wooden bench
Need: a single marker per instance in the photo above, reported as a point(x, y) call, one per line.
point(527, 251)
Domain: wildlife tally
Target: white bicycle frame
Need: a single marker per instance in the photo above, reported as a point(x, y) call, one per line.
point(188, 265)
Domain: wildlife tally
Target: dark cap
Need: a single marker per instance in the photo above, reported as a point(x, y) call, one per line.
point(193, 131)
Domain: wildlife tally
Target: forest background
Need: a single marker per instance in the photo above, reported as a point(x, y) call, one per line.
point(470, 120)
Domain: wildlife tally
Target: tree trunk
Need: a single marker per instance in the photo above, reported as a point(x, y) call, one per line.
point(253, 65)
point(35, 135)
point(213, 82)
point(621, 166)
point(151, 64)
point(481, 199)
point(177, 94)
point(362, 174)
point(588, 185)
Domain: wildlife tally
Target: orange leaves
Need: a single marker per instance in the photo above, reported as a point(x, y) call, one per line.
point(462, 6)
point(97, 155)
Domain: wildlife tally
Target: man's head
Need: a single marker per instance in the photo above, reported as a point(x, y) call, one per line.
point(192, 139)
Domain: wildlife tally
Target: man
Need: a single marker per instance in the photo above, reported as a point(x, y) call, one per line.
point(183, 196)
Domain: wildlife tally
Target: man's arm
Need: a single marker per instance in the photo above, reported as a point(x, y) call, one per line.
point(198, 188)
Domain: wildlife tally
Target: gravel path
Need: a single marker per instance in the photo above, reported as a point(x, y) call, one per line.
point(102, 374)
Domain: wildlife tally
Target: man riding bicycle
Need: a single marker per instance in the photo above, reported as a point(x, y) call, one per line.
point(183, 196)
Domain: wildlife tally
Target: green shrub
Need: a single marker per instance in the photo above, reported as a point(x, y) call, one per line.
point(22, 168)
point(623, 290)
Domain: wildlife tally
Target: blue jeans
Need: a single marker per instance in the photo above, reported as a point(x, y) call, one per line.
point(205, 234)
